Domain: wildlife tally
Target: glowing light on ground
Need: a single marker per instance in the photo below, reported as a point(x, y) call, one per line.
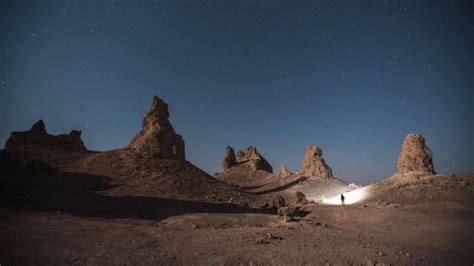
point(351, 197)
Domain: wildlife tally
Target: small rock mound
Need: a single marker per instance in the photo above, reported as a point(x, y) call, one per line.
point(266, 239)
point(229, 159)
point(415, 157)
point(38, 136)
point(284, 171)
point(157, 138)
point(314, 165)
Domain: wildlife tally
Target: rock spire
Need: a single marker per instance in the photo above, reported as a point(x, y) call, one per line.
point(157, 137)
point(314, 165)
point(415, 156)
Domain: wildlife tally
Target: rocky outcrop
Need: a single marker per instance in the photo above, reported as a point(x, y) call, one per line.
point(284, 172)
point(415, 157)
point(229, 159)
point(314, 165)
point(158, 139)
point(300, 198)
point(38, 136)
point(255, 159)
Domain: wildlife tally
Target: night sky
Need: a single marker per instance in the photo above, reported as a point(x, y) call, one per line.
point(353, 77)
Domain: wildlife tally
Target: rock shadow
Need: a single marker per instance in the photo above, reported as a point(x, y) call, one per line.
point(280, 188)
point(38, 187)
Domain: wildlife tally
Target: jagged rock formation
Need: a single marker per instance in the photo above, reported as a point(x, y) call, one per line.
point(38, 136)
point(229, 159)
point(415, 157)
point(157, 138)
point(314, 165)
point(284, 171)
point(246, 168)
point(255, 159)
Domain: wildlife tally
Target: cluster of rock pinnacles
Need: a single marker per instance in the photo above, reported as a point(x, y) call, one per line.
point(415, 158)
point(157, 139)
point(313, 164)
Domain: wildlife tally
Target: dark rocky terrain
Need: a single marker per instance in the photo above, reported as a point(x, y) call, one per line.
point(145, 204)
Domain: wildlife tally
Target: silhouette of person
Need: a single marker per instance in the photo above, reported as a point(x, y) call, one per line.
point(342, 199)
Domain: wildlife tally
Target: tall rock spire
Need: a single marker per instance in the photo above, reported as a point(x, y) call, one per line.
point(415, 156)
point(229, 159)
point(157, 137)
point(314, 165)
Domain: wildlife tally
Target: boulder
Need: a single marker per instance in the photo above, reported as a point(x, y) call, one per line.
point(314, 165)
point(287, 213)
point(284, 172)
point(38, 136)
point(229, 159)
point(415, 157)
point(157, 138)
point(300, 198)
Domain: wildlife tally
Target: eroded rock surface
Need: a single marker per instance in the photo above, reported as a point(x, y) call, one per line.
point(248, 156)
point(415, 156)
point(287, 213)
point(38, 136)
point(229, 159)
point(284, 171)
point(314, 165)
point(157, 138)
point(254, 158)
point(300, 198)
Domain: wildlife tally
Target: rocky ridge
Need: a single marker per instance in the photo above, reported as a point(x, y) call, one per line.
point(39, 137)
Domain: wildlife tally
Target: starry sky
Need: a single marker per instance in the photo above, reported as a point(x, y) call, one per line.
point(352, 77)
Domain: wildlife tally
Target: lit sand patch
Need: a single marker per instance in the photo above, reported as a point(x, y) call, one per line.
point(351, 197)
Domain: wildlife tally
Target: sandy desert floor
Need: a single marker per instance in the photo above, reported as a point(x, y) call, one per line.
point(100, 216)
point(372, 233)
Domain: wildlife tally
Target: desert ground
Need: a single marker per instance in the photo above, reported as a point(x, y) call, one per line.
point(64, 204)
point(149, 230)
